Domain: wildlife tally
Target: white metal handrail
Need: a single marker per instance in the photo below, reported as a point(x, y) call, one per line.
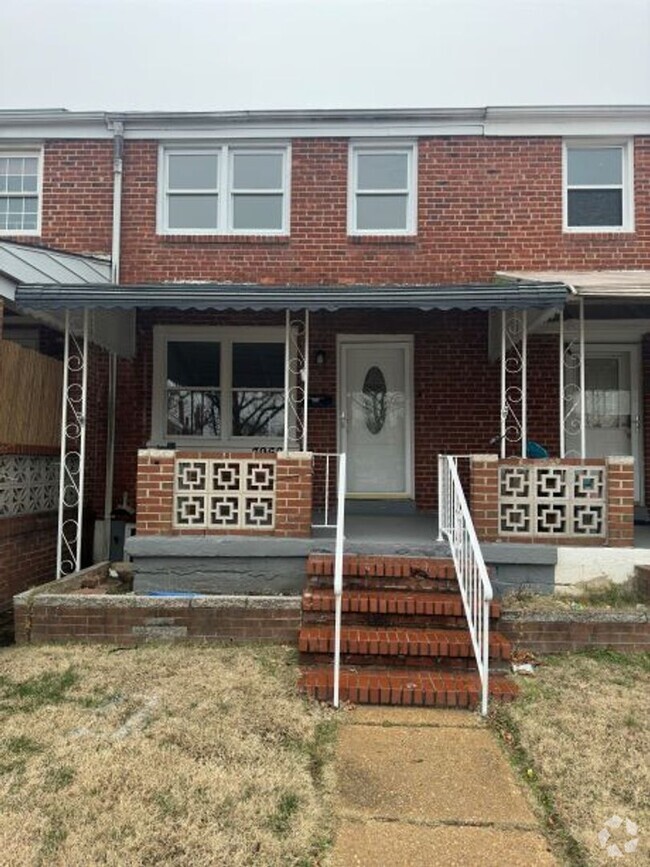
point(328, 461)
point(338, 573)
point(456, 525)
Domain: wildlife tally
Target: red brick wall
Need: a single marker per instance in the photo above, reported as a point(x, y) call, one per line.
point(48, 619)
point(557, 636)
point(27, 554)
point(485, 204)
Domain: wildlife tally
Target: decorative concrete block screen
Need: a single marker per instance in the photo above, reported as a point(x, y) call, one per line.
point(28, 484)
point(183, 492)
point(552, 500)
point(565, 501)
point(224, 494)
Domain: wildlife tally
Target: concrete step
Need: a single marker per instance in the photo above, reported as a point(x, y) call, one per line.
point(363, 641)
point(406, 687)
point(389, 605)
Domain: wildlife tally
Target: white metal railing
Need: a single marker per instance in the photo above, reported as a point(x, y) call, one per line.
point(327, 463)
point(338, 573)
point(455, 524)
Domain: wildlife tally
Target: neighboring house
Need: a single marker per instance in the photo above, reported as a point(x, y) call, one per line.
point(390, 284)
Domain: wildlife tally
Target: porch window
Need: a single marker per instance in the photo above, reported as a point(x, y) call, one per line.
point(598, 187)
point(382, 190)
point(20, 191)
point(224, 385)
point(224, 190)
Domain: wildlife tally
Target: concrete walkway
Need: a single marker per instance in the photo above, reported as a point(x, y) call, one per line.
point(422, 788)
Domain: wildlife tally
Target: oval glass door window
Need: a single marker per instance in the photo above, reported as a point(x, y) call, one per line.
point(374, 400)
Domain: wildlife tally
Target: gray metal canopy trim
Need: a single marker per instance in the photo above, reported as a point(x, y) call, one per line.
point(210, 296)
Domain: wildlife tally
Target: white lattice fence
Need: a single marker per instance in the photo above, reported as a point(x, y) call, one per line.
point(552, 500)
point(28, 484)
point(226, 493)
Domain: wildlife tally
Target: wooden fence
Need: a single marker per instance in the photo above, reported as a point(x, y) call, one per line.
point(30, 397)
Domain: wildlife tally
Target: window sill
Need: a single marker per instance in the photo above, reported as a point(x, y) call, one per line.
point(226, 239)
point(401, 240)
point(600, 233)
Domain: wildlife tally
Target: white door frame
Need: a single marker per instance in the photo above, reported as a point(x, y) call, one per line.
point(406, 342)
point(594, 350)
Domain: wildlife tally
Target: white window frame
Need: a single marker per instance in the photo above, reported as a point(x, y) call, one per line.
point(162, 335)
point(225, 153)
point(21, 153)
point(388, 147)
point(626, 186)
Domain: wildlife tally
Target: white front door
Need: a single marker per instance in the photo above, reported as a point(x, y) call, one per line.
point(612, 413)
point(375, 416)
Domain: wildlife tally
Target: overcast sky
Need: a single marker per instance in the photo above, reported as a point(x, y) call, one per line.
point(255, 54)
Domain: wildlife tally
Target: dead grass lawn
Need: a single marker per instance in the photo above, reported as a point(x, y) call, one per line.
point(580, 733)
point(161, 756)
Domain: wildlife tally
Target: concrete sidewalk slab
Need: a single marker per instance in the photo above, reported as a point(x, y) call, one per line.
point(428, 774)
point(387, 844)
point(413, 716)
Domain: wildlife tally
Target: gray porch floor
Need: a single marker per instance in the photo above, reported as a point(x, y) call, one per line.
point(413, 533)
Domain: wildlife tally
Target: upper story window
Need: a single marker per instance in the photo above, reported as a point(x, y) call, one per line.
point(598, 183)
point(382, 190)
point(224, 190)
point(20, 192)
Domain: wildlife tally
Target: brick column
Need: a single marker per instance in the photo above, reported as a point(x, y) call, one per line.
point(154, 492)
point(484, 496)
point(620, 502)
point(293, 498)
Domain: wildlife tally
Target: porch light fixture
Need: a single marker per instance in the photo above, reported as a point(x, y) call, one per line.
point(319, 356)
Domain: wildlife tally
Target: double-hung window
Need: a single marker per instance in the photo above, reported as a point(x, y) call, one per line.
point(20, 192)
point(224, 385)
point(598, 182)
point(224, 190)
point(382, 190)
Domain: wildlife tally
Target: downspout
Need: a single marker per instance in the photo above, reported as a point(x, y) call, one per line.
point(116, 245)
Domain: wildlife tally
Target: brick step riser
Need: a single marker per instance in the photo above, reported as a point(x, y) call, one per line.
point(382, 653)
point(404, 697)
point(389, 621)
point(383, 664)
point(377, 582)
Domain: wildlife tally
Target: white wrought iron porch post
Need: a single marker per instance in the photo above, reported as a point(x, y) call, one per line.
point(62, 475)
point(562, 398)
point(287, 377)
point(82, 438)
point(504, 408)
point(305, 383)
point(524, 382)
point(583, 408)
point(73, 449)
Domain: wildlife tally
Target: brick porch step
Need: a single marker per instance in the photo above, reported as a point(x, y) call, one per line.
point(385, 572)
point(397, 602)
point(419, 688)
point(370, 641)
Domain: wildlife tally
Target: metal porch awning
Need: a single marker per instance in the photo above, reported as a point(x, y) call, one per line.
point(623, 285)
point(213, 296)
point(27, 265)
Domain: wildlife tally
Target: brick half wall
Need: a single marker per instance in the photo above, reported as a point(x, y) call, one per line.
point(616, 500)
point(289, 487)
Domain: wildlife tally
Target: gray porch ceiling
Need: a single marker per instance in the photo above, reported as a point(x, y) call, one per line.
point(212, 296)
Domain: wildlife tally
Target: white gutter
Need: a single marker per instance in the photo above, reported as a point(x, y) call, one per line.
point(117, 128)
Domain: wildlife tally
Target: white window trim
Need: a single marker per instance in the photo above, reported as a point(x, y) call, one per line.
point(408, 147)
point(225, 152)
point(627, 185)
point(36, 152)
point(225, 336)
